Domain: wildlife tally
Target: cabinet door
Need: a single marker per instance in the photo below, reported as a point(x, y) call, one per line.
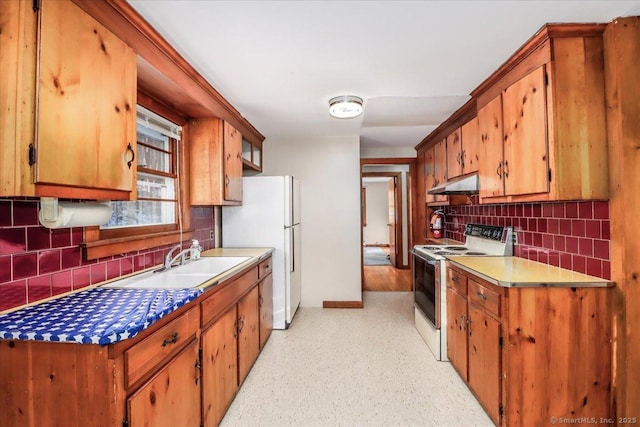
point(87, 102)
point(454, 155)
point(470, 146)
point(232, 152)
point(484, 360)
point(457, 331)
point(266, 309)
point(429, 174)
point(525, 135)
point(219, 367)
point(172, 397)
point(440, 167)
point(491, 149)
point(419, 219)
point(249, 333)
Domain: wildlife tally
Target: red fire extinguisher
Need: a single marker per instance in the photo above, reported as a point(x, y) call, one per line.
point(436, 223)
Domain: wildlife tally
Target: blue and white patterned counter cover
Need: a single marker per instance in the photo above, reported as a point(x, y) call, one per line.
point(96, 316)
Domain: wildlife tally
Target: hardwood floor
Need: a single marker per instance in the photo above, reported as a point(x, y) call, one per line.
point(386, 278)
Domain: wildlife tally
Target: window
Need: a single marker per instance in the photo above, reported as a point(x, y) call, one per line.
point(155, 218)
point(157, 202)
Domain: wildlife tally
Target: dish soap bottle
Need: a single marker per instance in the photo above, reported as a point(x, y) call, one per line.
point(194, 250)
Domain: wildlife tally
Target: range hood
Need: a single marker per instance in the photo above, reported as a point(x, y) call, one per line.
point(462, 185)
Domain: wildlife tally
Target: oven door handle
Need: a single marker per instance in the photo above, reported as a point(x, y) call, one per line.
point(427, 260)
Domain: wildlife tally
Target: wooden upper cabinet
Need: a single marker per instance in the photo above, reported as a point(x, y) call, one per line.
point(491, 149)
point(429, 173)
point(440, 167)
point(553, 143)
point(454, 154)
point(232, 148)
point(419, 210)
point(216, 163)
point(470, 146)
point(68, 98)
point(525, 167)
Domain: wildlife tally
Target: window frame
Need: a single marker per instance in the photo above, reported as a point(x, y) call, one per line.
point(103, 243)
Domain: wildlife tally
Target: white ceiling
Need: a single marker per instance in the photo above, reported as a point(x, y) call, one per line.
point(413, 62)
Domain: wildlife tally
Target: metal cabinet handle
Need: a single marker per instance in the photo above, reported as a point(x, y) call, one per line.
point(454, 279)
point(458, 158)
point(482, 296)
point(260, 300)
point(499, 170)
point(133, 155)
point(235, 329)
point(462, 158)
point(240, 324)
point(198, 366)
point(463, 322)
point(173, 340)
point(226, 180)
point(506, 168)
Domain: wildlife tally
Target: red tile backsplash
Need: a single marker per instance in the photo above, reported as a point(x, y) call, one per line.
point(36, 263)
point(572, 235)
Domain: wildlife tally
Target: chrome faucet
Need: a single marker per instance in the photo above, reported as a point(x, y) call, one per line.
point(169, 259)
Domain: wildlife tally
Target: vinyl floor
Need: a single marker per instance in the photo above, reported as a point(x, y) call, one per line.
point(353, 367)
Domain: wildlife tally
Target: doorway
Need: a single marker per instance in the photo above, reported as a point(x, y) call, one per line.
point(385, 228)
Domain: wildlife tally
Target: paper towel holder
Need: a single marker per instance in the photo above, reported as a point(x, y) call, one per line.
point(55, 214)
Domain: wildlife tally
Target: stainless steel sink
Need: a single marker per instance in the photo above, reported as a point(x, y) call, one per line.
point(190, 275)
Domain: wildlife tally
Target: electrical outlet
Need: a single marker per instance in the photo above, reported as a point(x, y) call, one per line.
point(211, 235)
point(515, 238)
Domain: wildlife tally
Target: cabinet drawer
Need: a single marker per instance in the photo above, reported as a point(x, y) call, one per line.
point(217, 303)
point(159, 346)
point(457, 281)
point(265, 267)
point(484, 297)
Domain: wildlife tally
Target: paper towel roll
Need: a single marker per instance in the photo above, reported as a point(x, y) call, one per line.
point(78, 215)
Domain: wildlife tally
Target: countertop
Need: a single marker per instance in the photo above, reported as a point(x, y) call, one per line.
point(520, 272)
point(101, 315)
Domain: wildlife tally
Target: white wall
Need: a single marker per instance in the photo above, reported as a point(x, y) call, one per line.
point(377, 231)
point(329, 173)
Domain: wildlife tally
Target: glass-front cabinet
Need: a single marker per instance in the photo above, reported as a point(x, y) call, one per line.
point(251, 156)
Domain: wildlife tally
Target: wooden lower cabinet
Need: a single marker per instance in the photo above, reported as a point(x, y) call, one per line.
point(184, 370)
point(266, 309)
point(248, 333)
point(220, 367)
point(172, 397)
point(484, 360)
point(531, 354)
point(457, 331)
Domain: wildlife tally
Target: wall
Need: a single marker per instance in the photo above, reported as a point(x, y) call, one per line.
point(329, 173)
point(572, 235)
point(387, 152)
point(377, 231)
point(37, 263)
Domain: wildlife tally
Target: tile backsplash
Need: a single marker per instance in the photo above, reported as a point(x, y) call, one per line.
point(37, 263)
point(572, 235)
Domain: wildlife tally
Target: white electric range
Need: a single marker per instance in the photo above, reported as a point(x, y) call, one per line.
point(430, 284)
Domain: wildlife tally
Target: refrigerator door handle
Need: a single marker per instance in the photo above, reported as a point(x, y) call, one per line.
point(293, 252)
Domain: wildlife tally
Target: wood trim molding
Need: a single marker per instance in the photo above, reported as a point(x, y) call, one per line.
point(120, 18)
point(109, 247)
point(388, 161)
point(342, 304)
point(536, 41)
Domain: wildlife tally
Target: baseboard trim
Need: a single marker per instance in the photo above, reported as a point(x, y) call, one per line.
point(376, 245)
point(342, 304)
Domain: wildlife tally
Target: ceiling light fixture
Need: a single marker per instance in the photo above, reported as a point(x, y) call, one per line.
point(345, 106)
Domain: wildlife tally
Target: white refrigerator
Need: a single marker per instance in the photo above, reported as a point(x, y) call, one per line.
point(270, 217)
